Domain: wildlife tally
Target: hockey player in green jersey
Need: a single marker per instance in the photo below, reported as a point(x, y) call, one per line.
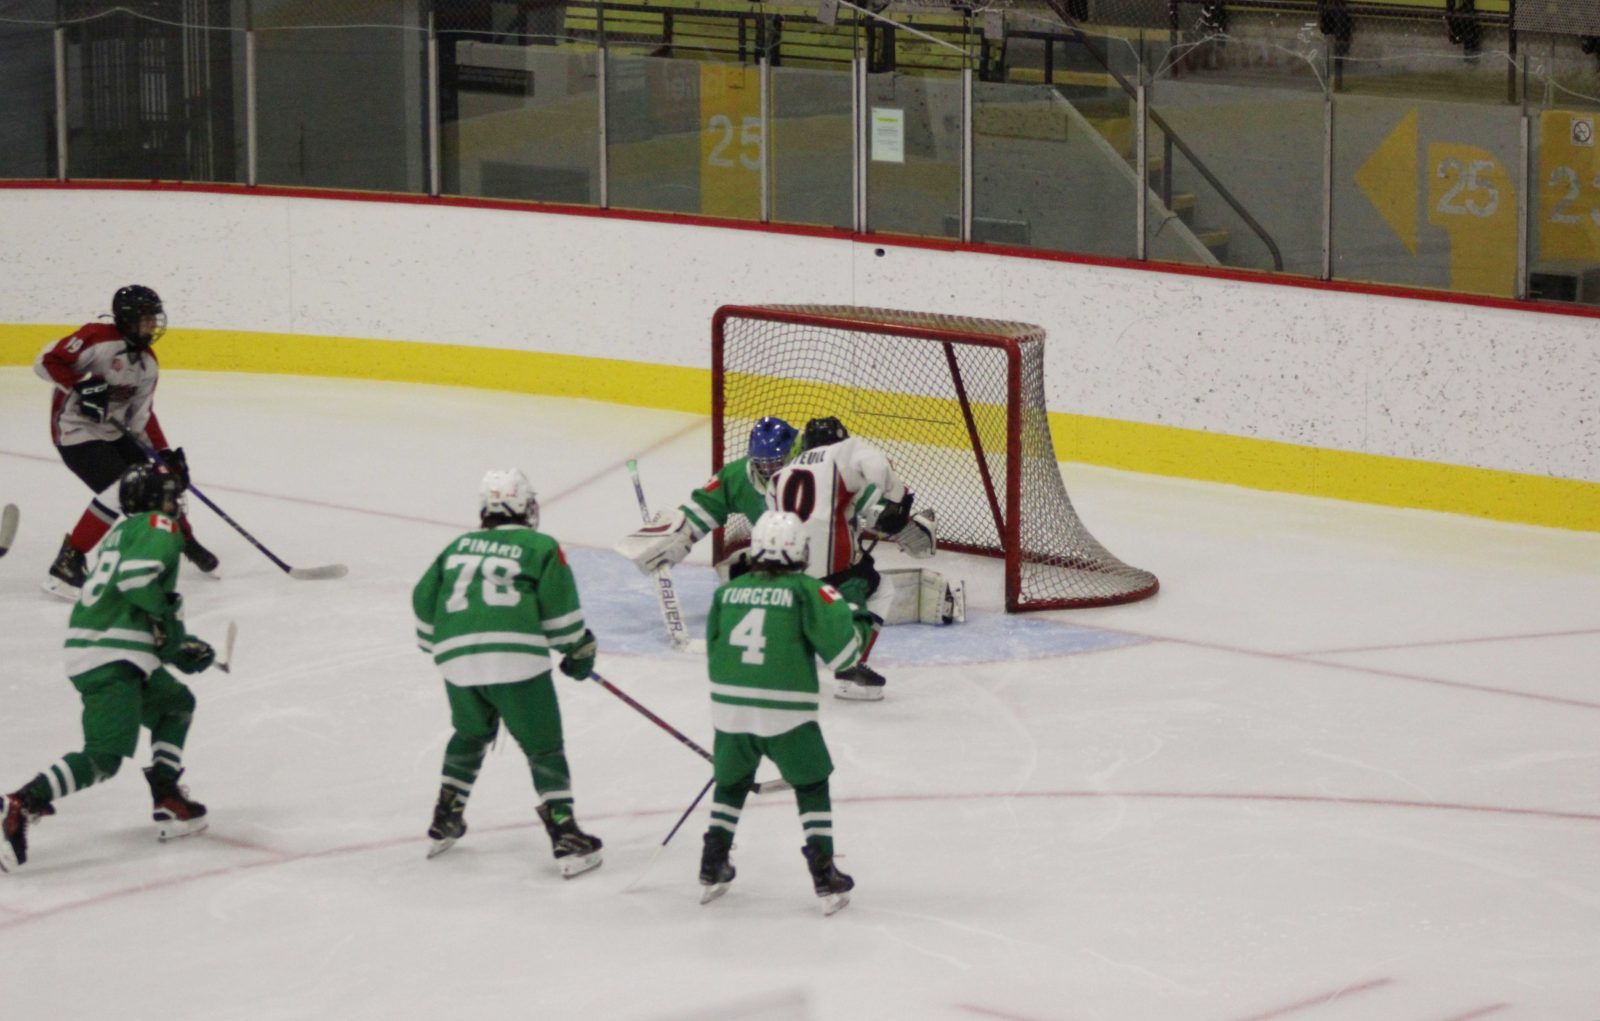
point(127, 623)
point(764, 633)
point(490, 610)
point(739, 488)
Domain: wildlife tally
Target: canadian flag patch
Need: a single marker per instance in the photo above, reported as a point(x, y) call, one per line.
point(561, 554)
point(713, 485)
point(829, 593)
point(163, 522)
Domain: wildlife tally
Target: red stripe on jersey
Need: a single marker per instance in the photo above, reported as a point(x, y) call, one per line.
point(840, 539)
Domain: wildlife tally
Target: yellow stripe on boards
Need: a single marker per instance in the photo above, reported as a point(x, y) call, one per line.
point(1109, 443)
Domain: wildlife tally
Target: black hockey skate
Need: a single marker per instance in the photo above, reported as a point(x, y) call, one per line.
point(576, 851)
point(860, 683)
point(17, 811)
point(175, 815)
point(202, 558)
point(831, 885)
point(449, 825)
point(716, 872)
point(67, 573)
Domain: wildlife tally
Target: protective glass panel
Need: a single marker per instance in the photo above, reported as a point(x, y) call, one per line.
point(520, 119)
point(27, 89)
point(1563, 90)
point(811, 146)
point(1425, 194)
point(1235, 139)
point(342, 94)
point(653, 138)
point(151, 97)
point(914, 153)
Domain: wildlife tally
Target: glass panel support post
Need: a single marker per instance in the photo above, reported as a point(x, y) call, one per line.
point(966, 152)
point(61, 101)
point(1524, 198)
point(601, 60)
point(251, 156)
point(859, 140)
point(434, 182)
point(764, 75)
point(1327, 184)
point(1141, 187)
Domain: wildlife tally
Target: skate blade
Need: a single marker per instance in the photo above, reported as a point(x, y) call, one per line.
point(177, 830)
point(712, 892)
point(61, 590)
point(8, 860)
point(441, 846)
point(578, 864)
point(834, 902)
point(858, 692)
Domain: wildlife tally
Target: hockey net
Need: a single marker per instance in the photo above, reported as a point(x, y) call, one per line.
point(957, 403)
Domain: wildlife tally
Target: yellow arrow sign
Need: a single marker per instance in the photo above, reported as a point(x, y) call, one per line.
point(1389, 180)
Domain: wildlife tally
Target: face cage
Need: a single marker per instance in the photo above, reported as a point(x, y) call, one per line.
point(157, 331)
point(766, 467)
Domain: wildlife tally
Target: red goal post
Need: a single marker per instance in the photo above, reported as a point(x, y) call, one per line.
point(957, 403)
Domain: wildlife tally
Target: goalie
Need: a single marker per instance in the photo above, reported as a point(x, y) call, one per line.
point(739, 488)
point(843, 488)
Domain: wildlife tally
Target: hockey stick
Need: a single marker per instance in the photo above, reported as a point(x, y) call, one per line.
point(663, 845)
point(224, 662)
point(683, 739)
point(8, 527)
point(298, 573)
point(666, 594)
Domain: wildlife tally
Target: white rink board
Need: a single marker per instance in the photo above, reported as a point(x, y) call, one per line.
point(1433, 381)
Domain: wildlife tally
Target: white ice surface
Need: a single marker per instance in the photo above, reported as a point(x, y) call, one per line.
point(1346, 765)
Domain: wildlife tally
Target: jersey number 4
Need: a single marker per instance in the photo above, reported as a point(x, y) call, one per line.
point(499, 581)
point(749, 635)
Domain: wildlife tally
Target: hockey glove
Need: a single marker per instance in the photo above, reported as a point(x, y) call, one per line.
point(193, 655)
point(659, 545)
point(176, 463)
point(94, 398)
point(894, 516)
point(168, 630)
point(578, 663)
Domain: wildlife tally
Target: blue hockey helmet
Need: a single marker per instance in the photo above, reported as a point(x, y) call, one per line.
point(770, 443)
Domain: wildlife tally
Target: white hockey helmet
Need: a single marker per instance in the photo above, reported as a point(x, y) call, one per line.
point(779, 540)
point(508, 494)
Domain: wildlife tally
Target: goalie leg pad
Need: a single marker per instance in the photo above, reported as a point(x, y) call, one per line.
point(919, 596)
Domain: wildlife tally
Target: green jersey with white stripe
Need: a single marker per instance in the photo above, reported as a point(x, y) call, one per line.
point(733, 490)
point(494, 603)
point(763, 636)
point(124, 595)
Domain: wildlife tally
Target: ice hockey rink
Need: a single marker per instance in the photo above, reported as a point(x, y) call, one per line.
point(1346, 765)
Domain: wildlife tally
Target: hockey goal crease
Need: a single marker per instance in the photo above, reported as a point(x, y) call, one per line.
point(957, 403)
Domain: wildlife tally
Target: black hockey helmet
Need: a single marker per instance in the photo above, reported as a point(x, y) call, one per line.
point(820, 432)
point(145, 487)
point(130, 306)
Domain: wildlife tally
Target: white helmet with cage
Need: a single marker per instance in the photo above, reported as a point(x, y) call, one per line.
point(779, 540)
point(506, 494)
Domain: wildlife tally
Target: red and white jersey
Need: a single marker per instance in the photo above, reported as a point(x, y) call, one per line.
point(831, 489)
point(99, 349)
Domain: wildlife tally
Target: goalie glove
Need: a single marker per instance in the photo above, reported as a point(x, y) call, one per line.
point(920, 536)
point(659, 545)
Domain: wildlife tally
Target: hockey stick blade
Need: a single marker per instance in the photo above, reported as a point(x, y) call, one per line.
point(8, 527)
point(318, 573)
point(225, 661)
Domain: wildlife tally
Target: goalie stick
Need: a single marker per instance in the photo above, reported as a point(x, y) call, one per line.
point(298, 573)
point(8, 527)
point(769, 786)
point(666, 593)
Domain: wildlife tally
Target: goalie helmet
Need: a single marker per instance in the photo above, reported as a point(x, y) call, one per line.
point(130, 306)
point(506, 497)
point(821, 432)
point(145, 487)
point(770, 443)
point(779, 541)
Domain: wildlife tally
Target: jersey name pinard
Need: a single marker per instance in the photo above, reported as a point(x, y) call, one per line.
point(467, 544)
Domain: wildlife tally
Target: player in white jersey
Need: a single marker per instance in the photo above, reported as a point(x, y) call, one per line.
point(103, 409)
point(840, 486)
